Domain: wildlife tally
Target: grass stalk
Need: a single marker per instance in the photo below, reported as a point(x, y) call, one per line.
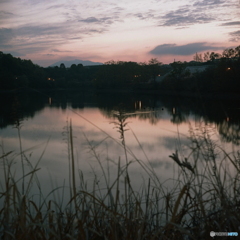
point(73, 165)
point(205, 197)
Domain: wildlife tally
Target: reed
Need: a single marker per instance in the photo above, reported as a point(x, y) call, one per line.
point(205, 197)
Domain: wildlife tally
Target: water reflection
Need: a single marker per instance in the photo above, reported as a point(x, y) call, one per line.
point(177, 117)
point(160, 126)
point(138, 105)
point(225, 114)
point(229, 132)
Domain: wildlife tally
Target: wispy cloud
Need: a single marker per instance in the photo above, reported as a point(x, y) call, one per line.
point(184, 50)
point(56, 6)
point(45, 24)
point(183, 17)
point(57, 50)
point(146, 15)
point(45, 36)
point(235, 23)
point(55, 27)
point(236, 33)
point(195, 12)
point(5, 16)
point(204, 3)
point(6, 34)
point(4, 13)
point(105, 20)
point(235, 36)
point(89, 20)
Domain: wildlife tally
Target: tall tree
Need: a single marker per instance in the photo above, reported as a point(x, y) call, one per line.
point(154, 67)
point(228, 53)
point(62, 66)
point(214, 56)
point(206, 56)
point(198, 57)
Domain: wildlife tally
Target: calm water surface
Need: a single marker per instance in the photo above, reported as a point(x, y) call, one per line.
point(156, 127)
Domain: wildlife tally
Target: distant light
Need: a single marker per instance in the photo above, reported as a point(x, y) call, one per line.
point(228, 69)
point(138, 105)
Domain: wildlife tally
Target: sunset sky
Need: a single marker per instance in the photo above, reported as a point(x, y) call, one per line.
point(47, 31)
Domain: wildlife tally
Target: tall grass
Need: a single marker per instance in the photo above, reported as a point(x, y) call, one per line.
point(205, 196)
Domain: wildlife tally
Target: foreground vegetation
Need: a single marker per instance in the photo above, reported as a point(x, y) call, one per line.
point(204, 197)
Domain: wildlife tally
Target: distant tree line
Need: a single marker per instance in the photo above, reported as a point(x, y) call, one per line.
point(222, 73)
point(16, 73)
point(131, 74)
point(211, 56)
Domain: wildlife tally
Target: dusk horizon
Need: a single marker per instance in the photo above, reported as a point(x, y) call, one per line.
point(48, 32)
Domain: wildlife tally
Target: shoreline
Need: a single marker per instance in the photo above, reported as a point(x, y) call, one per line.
point(207, 95)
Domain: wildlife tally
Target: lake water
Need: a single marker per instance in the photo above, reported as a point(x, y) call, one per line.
point(156, 127)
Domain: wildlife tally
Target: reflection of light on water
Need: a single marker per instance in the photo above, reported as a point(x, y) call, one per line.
point(158, 140)
point(138, 105)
